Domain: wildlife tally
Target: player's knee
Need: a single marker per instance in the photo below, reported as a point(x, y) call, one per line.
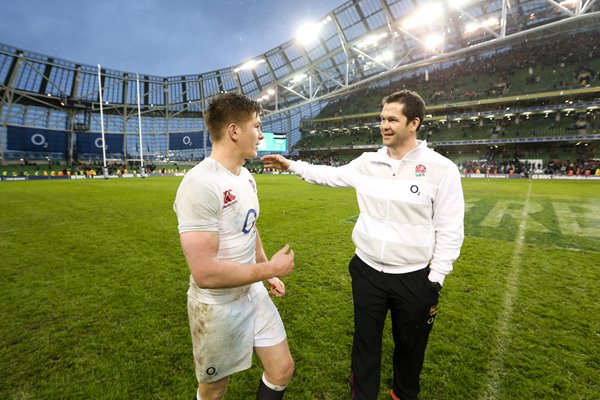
point(212, 391)
point(287, 370)
point(213, 395)
point(283, 374)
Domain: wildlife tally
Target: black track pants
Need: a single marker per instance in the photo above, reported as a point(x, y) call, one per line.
point(412, 301)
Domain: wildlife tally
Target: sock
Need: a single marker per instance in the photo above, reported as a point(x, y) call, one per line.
point(268, 391)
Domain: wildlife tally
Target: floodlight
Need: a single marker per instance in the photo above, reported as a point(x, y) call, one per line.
point(385, 56)
point(248, 65)
point(489, 23)
point(424, 15)
point(458, 3)
point(298, 78)
point(433, 41)
point(372, 40)
point(308, 33)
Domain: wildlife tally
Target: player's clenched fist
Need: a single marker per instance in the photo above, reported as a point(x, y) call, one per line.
point(283, 261)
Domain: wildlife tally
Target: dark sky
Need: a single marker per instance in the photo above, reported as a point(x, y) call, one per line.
point(156, 37)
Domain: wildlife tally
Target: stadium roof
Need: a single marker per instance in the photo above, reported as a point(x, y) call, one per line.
point(358, 41)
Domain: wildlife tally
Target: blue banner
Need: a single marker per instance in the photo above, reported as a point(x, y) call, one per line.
point(188, 141)
point(35, 139)
point(92, 143)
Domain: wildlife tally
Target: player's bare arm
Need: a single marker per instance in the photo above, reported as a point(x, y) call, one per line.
point(276, 161)
point(200, 251)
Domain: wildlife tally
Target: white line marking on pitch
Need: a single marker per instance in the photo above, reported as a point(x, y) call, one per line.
point(496, 366)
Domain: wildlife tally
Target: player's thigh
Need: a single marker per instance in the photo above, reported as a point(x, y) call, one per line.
point(277, 362)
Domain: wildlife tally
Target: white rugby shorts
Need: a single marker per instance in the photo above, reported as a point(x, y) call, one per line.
point(224, 335)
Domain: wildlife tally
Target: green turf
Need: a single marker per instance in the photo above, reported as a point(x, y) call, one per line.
point(93, 282)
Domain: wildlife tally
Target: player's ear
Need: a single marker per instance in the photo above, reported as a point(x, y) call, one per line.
point(233, 132)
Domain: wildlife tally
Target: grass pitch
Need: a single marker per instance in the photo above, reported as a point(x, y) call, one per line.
point(93, 283)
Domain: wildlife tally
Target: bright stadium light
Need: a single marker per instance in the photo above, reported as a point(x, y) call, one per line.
point(248, 65)
point(308, 33)
point(433, 41)
point(423, 16)
point(458, 3)
point(298, 78)
point(488, 23)
point(372, 40)
point(385, 56)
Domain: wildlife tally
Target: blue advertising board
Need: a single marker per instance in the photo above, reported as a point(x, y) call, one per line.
point(35, 139)
point(92, 143)
point(187, 141)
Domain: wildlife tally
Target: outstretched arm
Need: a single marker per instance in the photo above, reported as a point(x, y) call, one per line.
point(325, 175)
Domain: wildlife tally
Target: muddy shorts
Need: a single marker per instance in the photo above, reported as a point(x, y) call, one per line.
point(224, 335)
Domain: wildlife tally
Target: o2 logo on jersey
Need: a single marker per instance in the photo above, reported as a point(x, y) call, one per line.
point(415, 190)
point(250, 221)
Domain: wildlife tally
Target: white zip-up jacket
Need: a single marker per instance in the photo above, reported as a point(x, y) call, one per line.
point(411, 210)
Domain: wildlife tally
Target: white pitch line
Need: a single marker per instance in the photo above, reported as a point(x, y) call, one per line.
point(496, 366)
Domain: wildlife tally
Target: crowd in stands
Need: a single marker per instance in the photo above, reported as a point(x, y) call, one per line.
point(561, 61)
point(526, 168)
point(556, 62)
point(498, 128)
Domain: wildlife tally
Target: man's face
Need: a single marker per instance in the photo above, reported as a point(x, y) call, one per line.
point(250, 135)
point(395, 127)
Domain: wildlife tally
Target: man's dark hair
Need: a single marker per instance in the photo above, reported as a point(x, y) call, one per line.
point(226, 108)
point(414, 106)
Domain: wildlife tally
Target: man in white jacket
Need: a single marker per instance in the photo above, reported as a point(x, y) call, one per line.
point(407, 236)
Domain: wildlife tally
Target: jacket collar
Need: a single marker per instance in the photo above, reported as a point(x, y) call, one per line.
point(382, 154)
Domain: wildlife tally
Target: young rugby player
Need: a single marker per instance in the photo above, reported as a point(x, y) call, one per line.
point(230, 312)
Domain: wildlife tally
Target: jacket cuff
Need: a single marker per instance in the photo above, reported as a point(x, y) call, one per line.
point(435, 276)
point(293, 168)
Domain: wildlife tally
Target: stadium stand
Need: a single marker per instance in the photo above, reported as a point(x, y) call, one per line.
point(524, 87)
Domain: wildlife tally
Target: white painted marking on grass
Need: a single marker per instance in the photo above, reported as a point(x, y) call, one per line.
point(569, 214)
point(496, 366)
point(512, 208)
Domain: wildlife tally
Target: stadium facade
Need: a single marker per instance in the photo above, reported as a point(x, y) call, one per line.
point(539, 58)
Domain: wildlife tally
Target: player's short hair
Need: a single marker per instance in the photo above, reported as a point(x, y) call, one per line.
point(226, 108)
point(414, 106)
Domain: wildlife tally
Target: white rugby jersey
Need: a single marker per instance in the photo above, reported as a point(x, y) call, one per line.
point(212, 199)
point(411, 210)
